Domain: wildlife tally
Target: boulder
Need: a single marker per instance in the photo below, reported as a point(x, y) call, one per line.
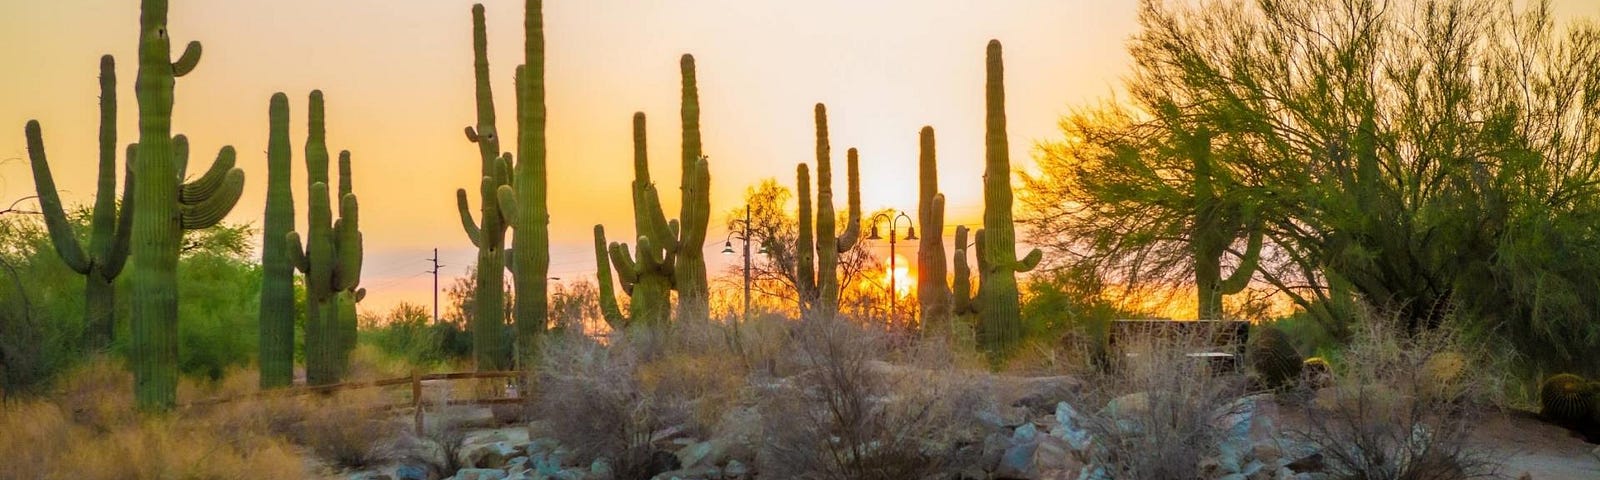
point(480, 474)
point(1018, 459)
point(492, 455)
point(691, 456)
point(1039, 394)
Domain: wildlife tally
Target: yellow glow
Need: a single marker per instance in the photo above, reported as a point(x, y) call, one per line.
point(904, 281)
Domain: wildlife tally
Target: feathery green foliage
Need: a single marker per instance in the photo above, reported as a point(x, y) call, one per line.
point(108, 238)
point(164, 206)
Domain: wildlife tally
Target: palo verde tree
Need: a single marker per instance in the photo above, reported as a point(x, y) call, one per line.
point(108, 227)
point(165, 206)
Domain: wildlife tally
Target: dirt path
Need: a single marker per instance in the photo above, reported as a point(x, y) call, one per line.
point(1543, 451)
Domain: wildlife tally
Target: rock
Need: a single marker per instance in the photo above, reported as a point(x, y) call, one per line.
point(1017, 461)
point(1132, 405)
point(600, 469)
point(661, 461)
point(1053, 453)
point(666, 433)
point(690, 456)
point(994, 446)
point(1040, 394)
point(480, 474)
point(1067, 427)
point(1233, 476)
point(410, 472)
point(1312, 463)
point(736, 470)
point(698, 473)
point(369, 476)
point(542, 444)
point(493, 455)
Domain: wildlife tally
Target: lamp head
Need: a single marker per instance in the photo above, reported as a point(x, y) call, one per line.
point(727, 247)
point(911, 233)
point(874, 234)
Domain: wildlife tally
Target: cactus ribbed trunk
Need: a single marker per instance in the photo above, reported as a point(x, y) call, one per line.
point(1000, 325)
point(689, 270)
point(163, 208)
point(531, 226)
point(646, 275)
point(330, 258)
point(608, 295)
point(277, 274)
point(1216, 225)
point(932, 291)
point(488, 234)
point(818, 284)
point(108, 229)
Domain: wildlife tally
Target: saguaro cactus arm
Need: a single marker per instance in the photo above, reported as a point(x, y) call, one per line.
point(347, 272)
point(297, 253)
point(852, 231)
point(55, 218)
point(188, 60)
point(199, 189)
point(117, 257)
point(211, 208)
point(1248, 263)
point(608, 297)
point(467, 223)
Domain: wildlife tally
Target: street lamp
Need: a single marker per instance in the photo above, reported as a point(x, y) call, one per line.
point(743, 235)
point(911, 234)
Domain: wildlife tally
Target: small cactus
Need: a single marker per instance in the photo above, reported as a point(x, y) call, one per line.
point(1316, 373)
point(1566, 399)
point(1273, 358)
point(1442, 374)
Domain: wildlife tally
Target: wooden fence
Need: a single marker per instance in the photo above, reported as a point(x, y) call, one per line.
point(416, 402)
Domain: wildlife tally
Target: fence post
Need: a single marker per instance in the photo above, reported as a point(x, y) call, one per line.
point(416, 399)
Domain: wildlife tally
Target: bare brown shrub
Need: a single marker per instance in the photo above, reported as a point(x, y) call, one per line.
point(1396, 412)
point(849, 415)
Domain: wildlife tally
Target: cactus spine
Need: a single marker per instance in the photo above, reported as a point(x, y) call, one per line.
point(108, 228)
point(330, 258)
point(165, 206)
point(523, 202)
point(277, 273)
point(932, 291)
point(819, 283)
point(488, 234)
point(1000, 325)
point(647, 276)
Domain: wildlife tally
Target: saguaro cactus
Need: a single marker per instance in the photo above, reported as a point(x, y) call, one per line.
point(108, 228)
point(647, 276)
point(330, 258)
point(1000, 326)
point(932, 291)
point(488, 234)
point(1216, 224)
point(608, 296)
point(523, 203)
point(689, 271)
point(963, 295)
point(819, 283)
point(277, 273)
point(164, 206)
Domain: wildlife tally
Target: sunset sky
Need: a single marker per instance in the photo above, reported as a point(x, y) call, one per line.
point(398, 80)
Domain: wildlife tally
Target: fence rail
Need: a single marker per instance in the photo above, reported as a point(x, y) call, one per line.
point(416, 403)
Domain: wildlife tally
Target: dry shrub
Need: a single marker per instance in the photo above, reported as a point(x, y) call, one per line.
point(848, 415)
point(595, 404)
point(1402, 406)
point(706, 383)
point(92, 433)
point(97, 394)
point(348, 429)
point(439, 444)
point(1164, 409)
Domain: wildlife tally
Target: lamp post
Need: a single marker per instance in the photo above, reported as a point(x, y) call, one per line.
point(911, 234)
point(743, 235)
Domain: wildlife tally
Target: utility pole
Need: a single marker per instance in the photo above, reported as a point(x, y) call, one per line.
point(435, 273)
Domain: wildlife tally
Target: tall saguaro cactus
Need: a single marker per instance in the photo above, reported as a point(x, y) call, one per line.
point(932, 291)
point(108, 228)
point(819, 283)
point(647, 276)
point(524, 201)
point(277, 273)
point(164, 206)
point(689, 271)
point(330, 258)
point(488, 234)
point(1217, 222)
point(1000, 325)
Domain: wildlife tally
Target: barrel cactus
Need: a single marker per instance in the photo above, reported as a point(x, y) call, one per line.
point(1273, 358)
point(1442, 375)
point(108, 227)
point(1566, 399)
point(1316, 372)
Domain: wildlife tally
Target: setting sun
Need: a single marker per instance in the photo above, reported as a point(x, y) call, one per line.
point(899, 275)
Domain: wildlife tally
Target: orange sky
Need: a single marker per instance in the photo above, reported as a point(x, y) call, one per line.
point(398, 78)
